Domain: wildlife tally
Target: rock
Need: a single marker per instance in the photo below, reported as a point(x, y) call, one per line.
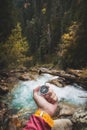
point(39, 72)
point(4, 74)
point(79, 119)
point(12, 123)
point(24, 77)
point(3, 90)
point(56, 82)
point(81, 76)
point(11, 79)
point(70, 76)
point(62, 124)
point(66, 110)
point(3, 110)
point(3, 105)
point(23, 122)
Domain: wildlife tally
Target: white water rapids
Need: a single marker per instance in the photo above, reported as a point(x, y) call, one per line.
point(22, 93)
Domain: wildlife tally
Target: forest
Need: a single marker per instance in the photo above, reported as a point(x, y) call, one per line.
point(43, 32)
point(43, 42)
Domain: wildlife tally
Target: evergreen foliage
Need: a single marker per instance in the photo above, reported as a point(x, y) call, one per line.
point(14, 49)
point(56, 32)
point(8, 18)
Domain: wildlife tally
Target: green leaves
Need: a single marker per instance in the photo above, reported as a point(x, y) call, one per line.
point(15, 48)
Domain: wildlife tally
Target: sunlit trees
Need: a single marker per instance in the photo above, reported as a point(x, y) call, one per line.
point(73, 45)
point(68, 47)
point(54, 29)
point(14, 49)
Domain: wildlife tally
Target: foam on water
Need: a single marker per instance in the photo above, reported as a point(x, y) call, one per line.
point(22, 93)
point(71, 94)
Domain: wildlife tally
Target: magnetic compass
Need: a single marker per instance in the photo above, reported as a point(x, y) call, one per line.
point(44, 89)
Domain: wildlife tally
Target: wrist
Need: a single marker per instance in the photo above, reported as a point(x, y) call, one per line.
point(48, 111)
point(45, 116)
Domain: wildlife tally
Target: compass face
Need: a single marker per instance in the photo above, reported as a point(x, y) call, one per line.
point(44, 89)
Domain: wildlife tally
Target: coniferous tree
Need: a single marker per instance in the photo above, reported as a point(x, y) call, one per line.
point(8, 18)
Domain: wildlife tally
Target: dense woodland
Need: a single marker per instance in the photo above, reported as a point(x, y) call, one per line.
point(43, 32)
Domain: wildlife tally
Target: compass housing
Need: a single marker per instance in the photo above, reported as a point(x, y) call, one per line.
point(44, 89)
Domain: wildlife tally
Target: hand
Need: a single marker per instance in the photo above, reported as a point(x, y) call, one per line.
point(47, 103)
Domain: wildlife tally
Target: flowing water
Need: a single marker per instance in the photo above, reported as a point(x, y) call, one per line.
point(22, 93)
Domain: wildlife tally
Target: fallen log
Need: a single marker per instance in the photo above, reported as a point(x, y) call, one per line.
point(71, 78)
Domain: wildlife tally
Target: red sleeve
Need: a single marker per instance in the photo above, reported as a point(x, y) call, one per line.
point(36, 123)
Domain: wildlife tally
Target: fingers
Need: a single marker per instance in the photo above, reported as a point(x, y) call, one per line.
point(51, 96)
point(35, 92)
point(36, 89)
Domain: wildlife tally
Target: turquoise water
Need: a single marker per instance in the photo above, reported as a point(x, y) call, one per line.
point(22, 93)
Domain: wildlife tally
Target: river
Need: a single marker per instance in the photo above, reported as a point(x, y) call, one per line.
point(21, 94)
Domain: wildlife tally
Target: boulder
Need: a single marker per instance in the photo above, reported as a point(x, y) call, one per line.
point(66, 109)
point(79, 119)
point(62, 124)
point(57, 82)
point(12, 123)
point(24, 77)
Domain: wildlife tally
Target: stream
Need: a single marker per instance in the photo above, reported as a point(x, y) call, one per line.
point(21, 94)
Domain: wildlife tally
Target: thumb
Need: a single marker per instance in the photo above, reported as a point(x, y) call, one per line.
point(35, 91)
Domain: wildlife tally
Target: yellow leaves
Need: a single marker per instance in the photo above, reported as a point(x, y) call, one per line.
point(43, 10)
point(67, 37)
point(74, 27)
point(70, 37)
point(68, 41)
point(15, 48)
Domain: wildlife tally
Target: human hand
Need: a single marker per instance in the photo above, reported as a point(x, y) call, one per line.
point(47, 103)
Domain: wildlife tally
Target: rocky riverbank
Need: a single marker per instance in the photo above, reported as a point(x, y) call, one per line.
point(70, 76)
point(67, 77)
point(67, 116)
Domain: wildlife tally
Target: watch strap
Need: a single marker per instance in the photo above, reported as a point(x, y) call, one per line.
point(45, 116)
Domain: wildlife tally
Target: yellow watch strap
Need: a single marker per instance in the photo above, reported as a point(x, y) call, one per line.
point(45, 116)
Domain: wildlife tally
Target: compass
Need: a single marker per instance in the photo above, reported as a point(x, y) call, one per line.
point(44, 89)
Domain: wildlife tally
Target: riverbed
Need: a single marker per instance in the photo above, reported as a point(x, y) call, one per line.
point(21, 96)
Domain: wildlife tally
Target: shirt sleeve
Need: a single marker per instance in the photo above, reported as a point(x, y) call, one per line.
point(36, 123)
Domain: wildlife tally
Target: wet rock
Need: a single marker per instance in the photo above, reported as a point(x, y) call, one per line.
point(24, 77)
point(60, 82)
point(70, 76)
point(79, 119)
point(62, 124)
point(81, 76)
point(39, 72)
